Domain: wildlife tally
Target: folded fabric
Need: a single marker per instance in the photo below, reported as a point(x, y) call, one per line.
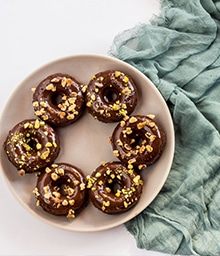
point(180, 52)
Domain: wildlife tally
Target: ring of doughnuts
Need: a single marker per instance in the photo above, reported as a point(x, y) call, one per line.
point(110, 96)
point(58, 99)
point(31, 145)
point(113, 188)
point(61, 190)
point(139, 141)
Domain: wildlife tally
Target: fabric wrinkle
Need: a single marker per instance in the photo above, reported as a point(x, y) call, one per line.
point(179, 52)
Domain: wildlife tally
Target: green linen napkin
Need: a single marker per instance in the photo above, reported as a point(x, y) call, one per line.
point(180, 52)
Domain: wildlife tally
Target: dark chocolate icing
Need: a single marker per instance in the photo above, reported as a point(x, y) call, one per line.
point(58, 99)
point(31, 145)
point(138, 141)
point(61, 190)
point(111, 95)
point(113, 188)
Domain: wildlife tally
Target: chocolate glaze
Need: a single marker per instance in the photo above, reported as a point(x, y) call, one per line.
point(113, 188)
point(111, 95)
point(61, 190)
point(138, 141)
point(31, 145)
point(58, 99)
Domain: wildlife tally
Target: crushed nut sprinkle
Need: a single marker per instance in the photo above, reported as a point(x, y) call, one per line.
point(55, 80)
point(137, 180)
point(71, 214)
point(47, 195)
point(108, 190)
point(133, 120)
point(45, 117)
point(51, 87)
point(98, 174)
point(119, 142)
point(54, 176)
point(38, 146)
point(151, 116)
point(76, 182)
point(131, 161)
point(149, 148)
point(93, 97)
point(99, 85)
point(125, 79)
point(122, 123)
point(123, 112)
point(89, 104)
point(72, 202)
point(35, 104)
point(126, 91)
point(82, 186)
point(21, 172)
point(142, 124)
point(61, 171)
point(128, 130)
point(117, 73)
point(151, 124)
point(115, 106)
point(65, 202)
point(116, 153)
point(45, 154)
point(62, 114)
point(64, 81)
point(48, 145)
point(43, 104)
point(70, 191)
point(84, 88)
point(142, 166)
point(56, 194)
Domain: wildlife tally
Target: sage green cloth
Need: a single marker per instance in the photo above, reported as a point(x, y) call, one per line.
point(180, 52)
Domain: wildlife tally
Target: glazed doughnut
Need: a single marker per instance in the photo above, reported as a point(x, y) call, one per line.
point(139, 141)
point(113, 188)
point(110, 96)
point(31, 145)
point(58, 100)
point(61, 190)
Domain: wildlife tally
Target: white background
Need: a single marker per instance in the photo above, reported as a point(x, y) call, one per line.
point(34, 33)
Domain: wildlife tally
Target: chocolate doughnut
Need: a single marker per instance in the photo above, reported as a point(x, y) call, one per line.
point(58, 100)
point(61, 190)
point(139, 141)
point(113, 188)
point(31, 145)
point(110, 96)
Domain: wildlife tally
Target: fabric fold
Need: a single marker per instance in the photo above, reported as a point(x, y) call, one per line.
point(179, 51)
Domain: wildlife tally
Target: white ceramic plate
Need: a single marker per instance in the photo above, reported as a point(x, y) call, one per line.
point(85, 142)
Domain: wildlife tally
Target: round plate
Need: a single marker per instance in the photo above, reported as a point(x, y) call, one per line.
point(85, 143)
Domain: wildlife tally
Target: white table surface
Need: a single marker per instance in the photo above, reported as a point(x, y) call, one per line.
point(32, 34)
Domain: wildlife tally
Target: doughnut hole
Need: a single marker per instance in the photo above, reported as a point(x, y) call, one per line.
point(62, 185)
point(136, 140)
point(110, 94)
point(32, 143)
point(115, 185)
point(56, 98)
